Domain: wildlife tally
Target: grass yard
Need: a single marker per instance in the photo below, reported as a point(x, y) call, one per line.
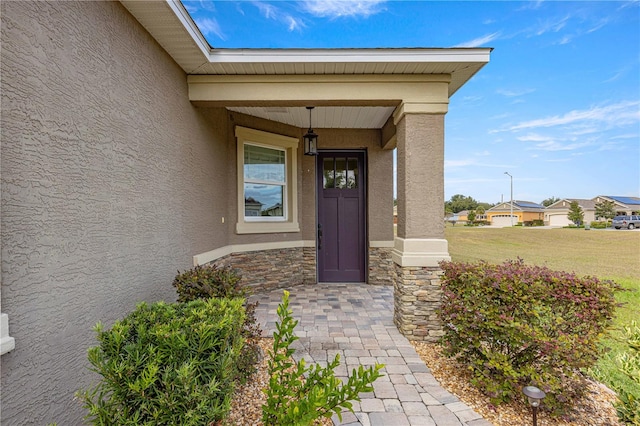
point(605, 254)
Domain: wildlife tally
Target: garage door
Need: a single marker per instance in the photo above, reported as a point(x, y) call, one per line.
point(559, 220)
point(503, 220)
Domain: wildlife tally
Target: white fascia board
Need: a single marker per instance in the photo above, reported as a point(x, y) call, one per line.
point(454, 55)
point(187, 22)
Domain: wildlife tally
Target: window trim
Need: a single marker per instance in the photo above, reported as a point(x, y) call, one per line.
point(289, 223)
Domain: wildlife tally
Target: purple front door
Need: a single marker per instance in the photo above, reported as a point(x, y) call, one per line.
point(341, 216)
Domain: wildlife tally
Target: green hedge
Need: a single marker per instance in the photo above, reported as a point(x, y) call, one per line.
point(167, 364)
point(515, 325)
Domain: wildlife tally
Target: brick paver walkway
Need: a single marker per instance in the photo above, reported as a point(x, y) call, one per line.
point(356, 321)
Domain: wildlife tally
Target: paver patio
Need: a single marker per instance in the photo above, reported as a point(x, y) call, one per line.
point(356, 321)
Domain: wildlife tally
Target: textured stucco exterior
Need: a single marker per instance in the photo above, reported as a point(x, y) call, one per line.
point(111, 181)
point(421, 176)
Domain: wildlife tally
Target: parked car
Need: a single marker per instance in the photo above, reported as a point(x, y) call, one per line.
point(628, 222)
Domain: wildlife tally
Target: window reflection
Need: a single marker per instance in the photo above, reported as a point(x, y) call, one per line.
point(341, 173)
point(263, 164)
point(328, 173)
point(352, 173)
point(263, 200)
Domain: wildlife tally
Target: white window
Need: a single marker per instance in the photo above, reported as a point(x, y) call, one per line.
point(267, 182)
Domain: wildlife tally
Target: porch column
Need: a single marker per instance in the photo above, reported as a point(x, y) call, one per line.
point(420, 243)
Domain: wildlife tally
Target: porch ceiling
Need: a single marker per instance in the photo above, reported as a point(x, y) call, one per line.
point(323, 117)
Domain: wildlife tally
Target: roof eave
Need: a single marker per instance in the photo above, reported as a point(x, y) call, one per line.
point(171, 25)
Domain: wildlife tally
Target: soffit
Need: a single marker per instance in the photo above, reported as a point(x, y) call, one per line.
point(171, 26)
point(323, 117)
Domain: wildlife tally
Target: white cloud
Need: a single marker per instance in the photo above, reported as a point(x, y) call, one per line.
point(343, 8)
point(551, 26)
point(209, 27)
point(270, 11)
point(471, 99)
point(294, 23)
point(471, 162)
point(566, 39)
point(480, 41)
point(533, 137)
point(615, 115)
point(514, 93)
point(554, 145)
point(558, 160)
point(459, 163)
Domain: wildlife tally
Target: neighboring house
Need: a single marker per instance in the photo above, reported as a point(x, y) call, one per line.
point(275, 210)
point(624, 205)
point(523, 211)
point(132, 149)
point(557, 214)
point(462, 216)
point(252, 207)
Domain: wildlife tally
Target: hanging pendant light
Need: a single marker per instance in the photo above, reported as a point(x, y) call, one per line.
point(310, 138)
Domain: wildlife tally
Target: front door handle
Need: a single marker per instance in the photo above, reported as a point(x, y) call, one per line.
point(319, 236)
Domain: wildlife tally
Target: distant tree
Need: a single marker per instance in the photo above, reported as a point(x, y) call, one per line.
point(471, 216)
point(606, 209)
point(485, 206)
point(459, 202)
point(576, 215)
point(547, 202)
point(480, 210)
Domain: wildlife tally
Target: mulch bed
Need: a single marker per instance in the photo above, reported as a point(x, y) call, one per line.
point(595, 409)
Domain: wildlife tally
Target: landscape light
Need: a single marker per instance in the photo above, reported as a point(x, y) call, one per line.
point(535, 396)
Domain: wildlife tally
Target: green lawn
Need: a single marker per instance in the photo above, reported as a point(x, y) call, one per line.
point(605, 254)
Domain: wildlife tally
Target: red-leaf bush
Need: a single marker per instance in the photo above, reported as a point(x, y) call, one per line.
point(515, 325)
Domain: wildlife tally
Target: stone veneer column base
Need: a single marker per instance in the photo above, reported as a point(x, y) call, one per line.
point(381, 266)
point(417, 296)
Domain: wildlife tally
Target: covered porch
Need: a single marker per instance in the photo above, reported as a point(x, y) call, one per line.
point(366, 102)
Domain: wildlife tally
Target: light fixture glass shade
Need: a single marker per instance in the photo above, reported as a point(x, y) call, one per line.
point(310, 143)
point(310, 138)
point(534, 395)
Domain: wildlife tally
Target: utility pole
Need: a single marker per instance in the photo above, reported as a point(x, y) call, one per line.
point(511, 214)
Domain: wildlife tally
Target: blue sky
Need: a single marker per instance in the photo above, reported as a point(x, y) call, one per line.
point(558, 106)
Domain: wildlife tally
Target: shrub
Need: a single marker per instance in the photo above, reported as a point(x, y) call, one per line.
point(297, 394)
point(207, 281)
point(166, 364)
point(598, 224)
point(211, 281)
point(538, 222)
point(515, 325)
point(628, 405)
